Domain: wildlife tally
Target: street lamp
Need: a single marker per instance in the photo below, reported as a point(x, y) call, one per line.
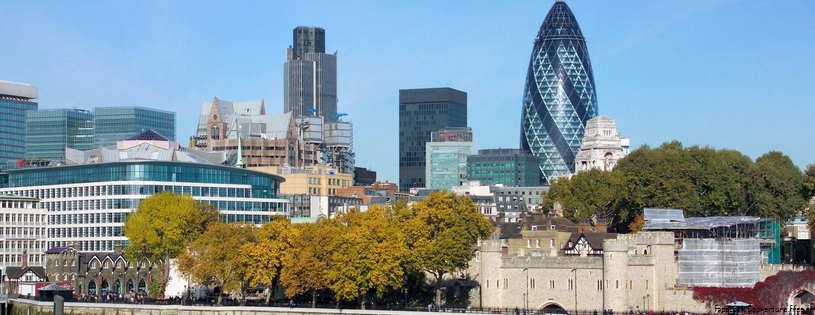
point(526, 295)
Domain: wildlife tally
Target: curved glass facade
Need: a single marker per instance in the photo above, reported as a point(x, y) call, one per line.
point(88, 204)
point(559, 95)
point(263, 185)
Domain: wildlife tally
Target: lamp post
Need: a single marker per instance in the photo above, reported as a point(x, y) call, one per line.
point(526, 295)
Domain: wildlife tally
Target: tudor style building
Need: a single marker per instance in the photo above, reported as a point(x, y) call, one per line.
point(97, 273)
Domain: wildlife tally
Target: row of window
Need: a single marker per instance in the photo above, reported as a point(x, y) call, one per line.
point(22, 218)
point(570, 284)
point(92, 231)
point(21, 232)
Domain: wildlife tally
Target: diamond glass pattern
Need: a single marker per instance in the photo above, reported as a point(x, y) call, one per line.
point(559, 94)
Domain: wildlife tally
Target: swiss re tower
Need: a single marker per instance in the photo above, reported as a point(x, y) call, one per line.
point(559, 94)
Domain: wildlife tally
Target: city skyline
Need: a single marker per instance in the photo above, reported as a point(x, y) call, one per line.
point(728, 74)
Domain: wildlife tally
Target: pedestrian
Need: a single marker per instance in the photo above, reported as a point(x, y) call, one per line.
point(517, 311)
point(430, 307)
point(291, 303)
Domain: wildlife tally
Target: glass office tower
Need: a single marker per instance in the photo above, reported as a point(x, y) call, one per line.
point(111, 124)
point(49, 132)
point(422, 111)
point(15, 100)
point(559, 95)
point(310, 76)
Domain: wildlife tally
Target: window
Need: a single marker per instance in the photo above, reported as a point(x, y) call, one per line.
point(528, 243)
point(538, 243)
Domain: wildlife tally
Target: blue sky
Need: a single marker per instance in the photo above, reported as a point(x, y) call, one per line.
point(728, 74)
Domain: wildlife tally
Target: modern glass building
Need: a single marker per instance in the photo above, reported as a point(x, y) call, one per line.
point(447, 152)
point(508, 167)
point(422, 111)
point(88, 203)
point(15, 100)
point(111, 124)
point(49, 132)
point(88, 200)
point(310, 76)
point(559, 94)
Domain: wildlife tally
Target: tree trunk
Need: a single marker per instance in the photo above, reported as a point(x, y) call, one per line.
point(272, 289)
point(313, 298)
point(166, 275)
point(439, 275)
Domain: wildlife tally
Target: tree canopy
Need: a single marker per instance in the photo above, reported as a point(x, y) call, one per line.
point(163, 225)
point(702, 181)
point(215, 258)
point(440, 231)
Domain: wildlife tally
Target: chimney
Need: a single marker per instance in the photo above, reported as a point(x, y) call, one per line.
point(118, 247)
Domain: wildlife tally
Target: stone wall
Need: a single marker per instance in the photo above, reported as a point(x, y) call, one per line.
point(28, 307)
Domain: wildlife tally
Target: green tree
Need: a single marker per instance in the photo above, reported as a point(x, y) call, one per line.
point(369, 254)
point(264, 257)
point(808, 183)
point(720, 181)
point(586, 194)
point(656, 178)
point(774, 187)
point(163, 225)
point(439, 233)
point(214, 258)
point(307, 263)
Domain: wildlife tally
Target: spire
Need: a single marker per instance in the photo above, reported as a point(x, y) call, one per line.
point(239, 163)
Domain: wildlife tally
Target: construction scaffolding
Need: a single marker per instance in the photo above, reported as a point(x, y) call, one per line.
point(718, 251)
point(720, 262)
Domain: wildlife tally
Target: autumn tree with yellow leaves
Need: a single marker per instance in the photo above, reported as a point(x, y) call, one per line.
point(162, 226)
point(368, 255)
point(440, 231)
point(306, 265)
point(214, 258)
point(263, 258)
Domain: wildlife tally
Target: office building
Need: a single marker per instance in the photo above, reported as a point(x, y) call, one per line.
point(15, 101)
point(422, 111)
point(507, 167)
point(602, 146)
point(112, 124)
point(310, 76)
point(267, 140)
point(446, 157)
point(50, 131)
point(22, 231)
point(88, 199)
point(559, 94)
point(364, 176)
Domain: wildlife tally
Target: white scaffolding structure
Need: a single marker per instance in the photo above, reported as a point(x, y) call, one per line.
point(719, 262)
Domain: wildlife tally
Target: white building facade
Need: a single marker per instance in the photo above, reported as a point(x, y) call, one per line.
point(602, 146)
point(22, 231)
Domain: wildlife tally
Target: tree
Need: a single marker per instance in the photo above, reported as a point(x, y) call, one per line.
point(264, 257)
point(701, 181)
point(213, 259)
point(439, 231)
point(774, 187)
point(586, 194)
point(369, 254)
point(163, 225)
point(808, 183)
point(307, 263)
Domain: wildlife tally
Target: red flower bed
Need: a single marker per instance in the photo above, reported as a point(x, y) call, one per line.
point(772, 292)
